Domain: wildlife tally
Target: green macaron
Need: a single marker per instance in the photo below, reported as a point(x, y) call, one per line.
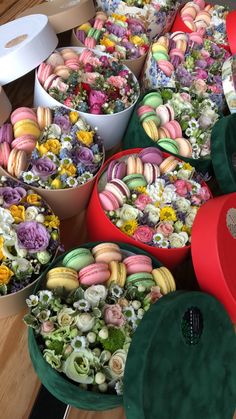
point(154, 118)
point(161, 55)
point(134, 181)
point(142, 278)
point(146, 114)
point(169, 145)
point(78, 259)
point(153, 99)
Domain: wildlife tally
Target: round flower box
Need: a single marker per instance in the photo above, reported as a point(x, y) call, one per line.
point(122, 37)
point(107, 230)
point(29, 241)
point(182, 318)
point(111, 117)
point(49, 150)
point(185, 108)
point(158, 16)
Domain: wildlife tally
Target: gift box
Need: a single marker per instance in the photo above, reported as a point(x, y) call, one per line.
point(229, 82)
point(106, 230)
point(179, 327)
point(64, 15)
point(110, 127)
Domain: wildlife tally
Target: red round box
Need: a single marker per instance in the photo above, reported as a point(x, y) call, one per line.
point(214, 250)
point(99, 226)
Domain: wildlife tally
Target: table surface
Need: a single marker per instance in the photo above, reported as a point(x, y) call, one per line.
point(19, 384)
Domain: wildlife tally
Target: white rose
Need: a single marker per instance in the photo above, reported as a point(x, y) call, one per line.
point(95, 294)
point(85, 322)
point(6, 217)
point(153, 213)
point(8, 234)
point(127, 212)
point(31, 213)
point(184, 174)
point(176, 240)
point(117, 363)
point(64, 317)
point(169, 194)
point(183, 204)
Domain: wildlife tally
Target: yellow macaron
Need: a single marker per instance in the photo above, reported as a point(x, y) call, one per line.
point(164, 279)
point(118, 273)
point(26, 126)
point(151, 129)
point(62, 277)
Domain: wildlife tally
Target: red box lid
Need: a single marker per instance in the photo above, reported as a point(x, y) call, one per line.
point(214, 250)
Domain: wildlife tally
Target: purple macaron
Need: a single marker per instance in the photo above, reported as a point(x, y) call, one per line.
point(6, 133)
point(116, 170)
point(151, 155)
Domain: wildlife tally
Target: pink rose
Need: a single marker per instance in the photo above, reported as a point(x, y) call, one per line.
point(142, 201)
point(186, 96)
point(165, 228)
point(215, 88)
point(205, 54)
point(201, 74)
point(204, 193)
point(117, 81)
point(183, 187)
point(90, 78)
point(196, 200)
point(200, 86)
point(47, 327)
point(113, 315)
point(88, 68)
point(123, 73)
point(96, 97)
point(60, 85)
point(143, 234)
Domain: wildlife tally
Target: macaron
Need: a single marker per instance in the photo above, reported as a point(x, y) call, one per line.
point(169, 145)
point(44, 71)
point(135, 181)
point(26, 126)
point(161, 55)
point(138, 263)
point(44, 117)
point(4, 154)
point(108, 201)
point(62, 277)
point(151, 155)
point(144, 111)
point(26, 142)
point(166, 66)
point(96, 273)
point(6, 133)
point(78, 258)
point(50, 80)
point(134, 165)
point(151, 172)
point(55, 59)
point(116, 170)
point(163, 132)
point(22, 113)
point(174, 129)
point(165, 113)
point(164, 279)
point(107, 252)
point(117, 273)
point(153, 117)
point(142, 278)
point(119, 189)
point(17, 162)
point(168, 165)
point(185, 147)
point(61, 71)
point(151, 129)
point(153, 99)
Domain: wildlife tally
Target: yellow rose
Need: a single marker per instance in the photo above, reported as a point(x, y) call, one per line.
point(107, 42)
point(136, 40)
point(5, 274)
point(1, 246)
point(73, 116)
point(33, 199)
point(56, 183)
point(86, 137)
point(68, 169)
point(42, 149)
point(18, 213)
point(52, 221)
point(53, 145)
point(119, 17)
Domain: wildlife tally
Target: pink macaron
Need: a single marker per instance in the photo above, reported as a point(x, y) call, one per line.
point(85, 56)
point(108, 201)
point(23, 113)
point(26, 142)
point(165, 112)
point(4, 154)
point(142, 110)
point(90, 42)
point(151, 155)
point(177, 52)
point(174, 129)
point(116, 170)
point(52, 78)
point(119, 189)
point(44, 71)
point(138, 263)
point(96, 273)
point(73, 63)
point(151, 172)
point(6, 133)
point(166, 66)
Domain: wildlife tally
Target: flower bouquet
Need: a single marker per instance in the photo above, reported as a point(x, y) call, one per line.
point(186, 62)
point(54, 151)
point(29, 239)
point(93, 83)
point(147, 198)
point(121, 36)
point(82, 332)
point(157, 15)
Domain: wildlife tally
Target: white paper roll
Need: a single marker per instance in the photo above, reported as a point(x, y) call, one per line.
point(110, 127)
point(24, 44)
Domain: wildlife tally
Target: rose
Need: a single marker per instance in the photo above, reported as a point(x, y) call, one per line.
point(18, 212)
point(32, 236)
point(85, 137)
point(47, 327)
point(143, 234)
point(153, 213)
point(117, 363)
point(90, 78)
point(33, 198)
point(79, 366)
point(96, 97)
point(169, 194)
point(154, 294)
point(196, 200)
point(85, 322)
point(142, 201)
point(201, 74)
point(64, 317)
point(182, 204)
point(204, 193)
point(127, 212)
point(60, 85)
point(183, 187)
point(113, 315)
point(176, 240)
point(5, 217)
point(44, 167)
point(63, 122)
point(95, 294)
point(85, 156)
point(12, 195)
point(31, 213)
point(5, 274)
point(200, 86)
point(165, 228)
point(52, 359)
point(96, 109)
point(117, 81)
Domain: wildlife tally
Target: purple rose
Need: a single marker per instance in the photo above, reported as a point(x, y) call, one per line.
point(63, 122)
point(44, 167)
point(12, 196)
point(32, 236)
point(85, 156)
point(96, 97)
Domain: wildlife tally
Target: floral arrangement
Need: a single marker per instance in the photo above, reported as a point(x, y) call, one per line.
point(122, 36)
point(29, 235)
point(86, 333)
point(195, 117)
point(67, 154)
point(162, 212)
point(156, 4)
point(88, 82)
point(217, 29)
point(184, 64)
